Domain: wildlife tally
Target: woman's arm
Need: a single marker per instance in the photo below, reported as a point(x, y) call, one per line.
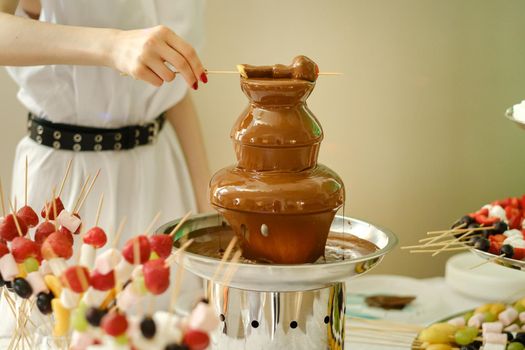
point(140, 53)
point(183, 117)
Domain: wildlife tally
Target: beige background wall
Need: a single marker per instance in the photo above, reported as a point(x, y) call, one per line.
point(415, 127)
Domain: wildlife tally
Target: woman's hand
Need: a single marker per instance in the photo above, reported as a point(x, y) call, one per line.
point(142, 54)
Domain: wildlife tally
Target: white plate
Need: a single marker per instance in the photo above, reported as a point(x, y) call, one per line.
point(427, 301)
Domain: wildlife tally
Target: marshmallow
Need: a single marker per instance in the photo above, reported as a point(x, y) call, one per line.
point(124, 270)
point(492, 327)
point(57, 266)
point(498, 212)
point(44, 268)
point(495, 338)
point(107, 261)
point(168, 327)
point(515, 242)
point(36, 281)
point(457, 321)
point(476, 320)
point(204, 318)
point(494, 346)
point(8, 267)
point(512, 328)
point(69, 221)
point(87, 255)
point(69, 299)
point(513, 233)
point(127, 298)
point(81, 340)
point(508, 316)
point(518, 111)
point(522, 317)
point(93, 297)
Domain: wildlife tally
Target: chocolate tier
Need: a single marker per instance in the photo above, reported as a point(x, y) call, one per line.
point(278, 200)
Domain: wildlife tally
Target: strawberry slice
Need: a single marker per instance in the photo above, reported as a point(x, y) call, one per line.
point(144, 249)
point(57, 245)
point(76, 278)
point(102, 282)
point(161, 244)
point(23, 248)
point(43, 231)
point(95, 237)
point(114, 323)
point(156, 276)
point(29, 216)
point(49, 206)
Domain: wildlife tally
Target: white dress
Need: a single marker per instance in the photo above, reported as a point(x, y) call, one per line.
point(136, 183)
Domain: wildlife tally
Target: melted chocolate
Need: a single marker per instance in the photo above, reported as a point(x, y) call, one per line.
point(278, 200)
point(302, 68)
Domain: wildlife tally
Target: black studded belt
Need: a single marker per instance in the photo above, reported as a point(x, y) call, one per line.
point(85, 139)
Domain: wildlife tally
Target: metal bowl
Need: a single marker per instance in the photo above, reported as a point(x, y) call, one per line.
point(510, 263)
point(273, 277)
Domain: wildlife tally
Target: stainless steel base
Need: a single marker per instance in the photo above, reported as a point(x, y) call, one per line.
point(303, 320)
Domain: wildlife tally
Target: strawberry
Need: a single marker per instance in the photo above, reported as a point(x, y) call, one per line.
point(23, 248)
point(156, 276)
point(102, 282)
point(3, 249)
point(29, 216)
point(43, 231)
point(64, 231)
point(519, 253)
point(95, 237)
point(49, 206)
point(196, 340)
point(8, 229)
point(114, 323)
point(161, 244)
point(57, 245)
point(76, 278)
point(144, 249)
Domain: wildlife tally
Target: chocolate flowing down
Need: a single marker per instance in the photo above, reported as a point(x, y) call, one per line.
point(277, 199)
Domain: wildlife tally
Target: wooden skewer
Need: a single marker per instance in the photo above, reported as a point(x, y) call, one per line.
point(119, 231)
point(494, 259)
point(176, 284)
point(88, 190)
point(435, 252)
point(228, 274)
point(152, 223)
point(54, 207)
point(2, 199)
point(81, 194)
point(439, 244)
point(66, 175)
point(82, 277)
point(454, 241)
point(25, 184)
point(179, 225)
point(16, 219)
point(171, 259)
point(237, 72)
point(443, 235)
point(99, 209)
point(225, 257)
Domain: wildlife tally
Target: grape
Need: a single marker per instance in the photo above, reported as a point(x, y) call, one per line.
point(490, 317)
point(121, 339)
point(519, 307)
point(463, 337)
point(31, 264)
point(78, 319)
point(472, 331)
point(468, 315)
point(515, 346)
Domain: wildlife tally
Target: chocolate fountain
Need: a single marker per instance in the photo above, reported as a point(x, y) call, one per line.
point(288, 290)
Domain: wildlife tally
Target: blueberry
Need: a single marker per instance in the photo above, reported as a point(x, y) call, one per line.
point(94, 316)
point(22, 288)
point(507, 251)
point(9, 285)
point(43, 302)
point(175, 346)
point(465, 221)
point(2, 281)
point(520, 337)
point(482, 244)
point(148, 327)
point(510, 337)
point(472, 241)
point(473, 225)
point(500, 227)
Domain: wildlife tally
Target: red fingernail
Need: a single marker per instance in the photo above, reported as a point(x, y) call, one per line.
point(204, 78)
point(195, 85)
